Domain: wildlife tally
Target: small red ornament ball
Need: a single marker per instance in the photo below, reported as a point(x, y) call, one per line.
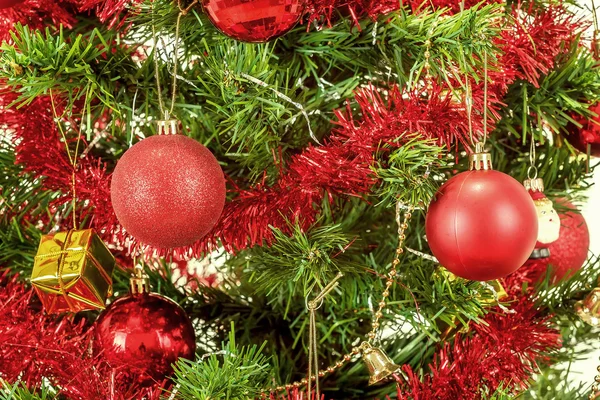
point(168, 191)
point(588, 134)
point(569, 253)
point(254, 21)
point(481, 225)
point(143, 335)
point(9, 3)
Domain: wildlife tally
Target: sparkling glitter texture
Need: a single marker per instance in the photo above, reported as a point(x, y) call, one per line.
point(9, 3)
point(144, 335)
point(254, 20)
point(168, 191)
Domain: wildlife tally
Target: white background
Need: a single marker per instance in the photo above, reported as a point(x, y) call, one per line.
point(585, 370)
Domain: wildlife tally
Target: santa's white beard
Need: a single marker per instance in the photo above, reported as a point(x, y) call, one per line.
point(548, 228)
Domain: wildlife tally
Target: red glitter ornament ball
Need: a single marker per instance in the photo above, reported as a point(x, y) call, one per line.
point(570, 251)
point(168, 191)
point(482, 225)
point(143, 335)
point(588, 134)
point(9, 3)
point(254, 21)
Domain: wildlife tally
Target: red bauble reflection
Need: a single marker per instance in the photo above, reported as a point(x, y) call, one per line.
point(168, 191)
point(144, 335)
point(9, 3)
point(588, 134)
point(254, 20)
point(482, 225)
point(570, 251)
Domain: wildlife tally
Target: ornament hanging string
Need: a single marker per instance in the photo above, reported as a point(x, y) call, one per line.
point(469, 105)
point(286, 98)
point(469, 101)
point(313, 355)
point(595, 48)
point(532, 171)
point(485, 95)
point(468, 94)
point(596, 53)
point(182, 11)
point(72, 158)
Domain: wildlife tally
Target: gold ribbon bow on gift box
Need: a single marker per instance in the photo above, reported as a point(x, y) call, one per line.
point(72, 271)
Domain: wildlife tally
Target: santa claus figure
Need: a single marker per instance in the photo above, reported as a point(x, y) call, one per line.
point(548, 220)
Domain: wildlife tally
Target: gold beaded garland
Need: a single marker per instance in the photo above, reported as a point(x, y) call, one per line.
point(402, 226)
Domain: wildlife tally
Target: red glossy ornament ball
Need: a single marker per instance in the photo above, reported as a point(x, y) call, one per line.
point(9, 3)
point(143, 335)
point(254, 20)
point(588, 134)
point(569, 253)
point(168, 191)
point(482, 225)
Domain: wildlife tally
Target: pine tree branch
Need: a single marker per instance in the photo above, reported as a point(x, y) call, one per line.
point(19, 391)
point(88, 68)
point(236, 375)
point(561, 297)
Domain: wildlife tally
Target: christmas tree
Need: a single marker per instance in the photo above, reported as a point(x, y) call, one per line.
point(296, 199)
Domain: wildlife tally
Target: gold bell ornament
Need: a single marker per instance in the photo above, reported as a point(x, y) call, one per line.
point(380, 366)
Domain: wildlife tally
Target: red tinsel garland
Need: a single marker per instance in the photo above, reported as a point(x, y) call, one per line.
point(453, 6)
point(40, 14)
point(39, 149)
point(37, 14)
point(504, 353)
point(112, 11)
point(342, 166)
point(37, 349)
point(535, 39)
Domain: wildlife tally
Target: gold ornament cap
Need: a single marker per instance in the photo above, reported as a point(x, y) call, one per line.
point(168, 127)
point(380, 366)
point(480, 160)
point(139, 282)
point(534, 185)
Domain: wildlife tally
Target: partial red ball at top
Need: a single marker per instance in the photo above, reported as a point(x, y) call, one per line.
point(482, 225)
point(168, 191)
point(9, 3)
point(254, 21)
point(588, 134)
point(143, 335)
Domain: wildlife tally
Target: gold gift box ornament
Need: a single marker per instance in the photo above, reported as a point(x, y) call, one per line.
point(72, 271)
